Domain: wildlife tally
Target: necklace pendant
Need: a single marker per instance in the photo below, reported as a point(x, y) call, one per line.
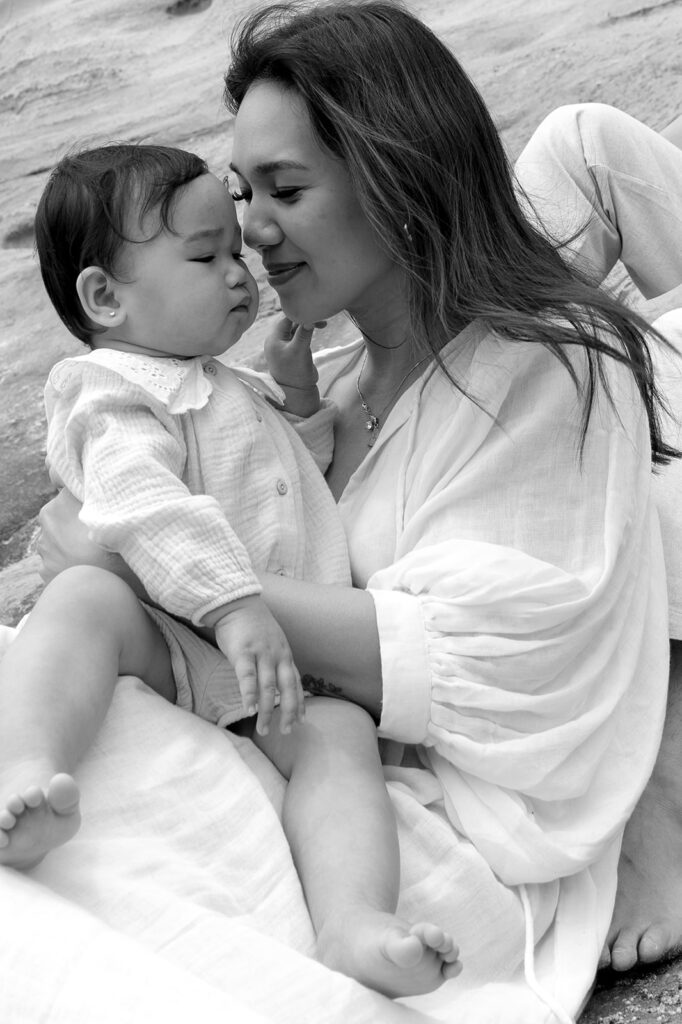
point(371, 426)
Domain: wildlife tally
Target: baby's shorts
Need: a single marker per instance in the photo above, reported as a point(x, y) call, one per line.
point(204, 679)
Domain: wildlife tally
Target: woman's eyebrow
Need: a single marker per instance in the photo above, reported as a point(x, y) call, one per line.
point(271, 166)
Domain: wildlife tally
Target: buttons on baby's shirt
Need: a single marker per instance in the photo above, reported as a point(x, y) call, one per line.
point(210, 369)
point(282, 487)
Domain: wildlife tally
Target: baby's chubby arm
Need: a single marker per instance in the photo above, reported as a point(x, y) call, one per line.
point(245, 630)
point(255, 645)
point(290, 361)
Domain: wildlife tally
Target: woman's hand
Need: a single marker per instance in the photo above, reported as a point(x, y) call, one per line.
point(64, 541)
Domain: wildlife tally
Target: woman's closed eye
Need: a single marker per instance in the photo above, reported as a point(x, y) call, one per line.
point(284, 194)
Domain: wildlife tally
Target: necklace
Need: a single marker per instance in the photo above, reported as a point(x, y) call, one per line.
point(373, 421)
point(378, 343)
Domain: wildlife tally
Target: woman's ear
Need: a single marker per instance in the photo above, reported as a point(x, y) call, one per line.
point(98, 297)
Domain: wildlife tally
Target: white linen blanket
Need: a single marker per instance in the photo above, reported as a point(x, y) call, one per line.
point(178, 899)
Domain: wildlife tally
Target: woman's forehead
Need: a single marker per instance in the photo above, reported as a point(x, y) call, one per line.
point(272, 130)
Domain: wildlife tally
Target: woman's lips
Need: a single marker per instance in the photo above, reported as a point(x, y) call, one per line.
point(282, 273)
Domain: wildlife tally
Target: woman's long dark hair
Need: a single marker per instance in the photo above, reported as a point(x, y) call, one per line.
point(432, 177)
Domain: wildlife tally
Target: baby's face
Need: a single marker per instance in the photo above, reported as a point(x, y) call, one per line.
point(187, 292)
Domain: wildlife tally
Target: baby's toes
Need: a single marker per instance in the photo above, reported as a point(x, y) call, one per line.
point(451, 969)
point(16, 805)
point(63, 795)
point(438, 940)
point(7, 820)
point(33, 797)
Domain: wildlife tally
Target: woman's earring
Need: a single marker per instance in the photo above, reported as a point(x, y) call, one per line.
point(407, 232)
point(112, 312)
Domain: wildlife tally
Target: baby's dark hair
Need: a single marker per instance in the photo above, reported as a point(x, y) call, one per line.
point(83, 212)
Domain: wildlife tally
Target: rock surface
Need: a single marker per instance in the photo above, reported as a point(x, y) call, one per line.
point(75, 72)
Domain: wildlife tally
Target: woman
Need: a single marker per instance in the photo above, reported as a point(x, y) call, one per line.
point(492, 463)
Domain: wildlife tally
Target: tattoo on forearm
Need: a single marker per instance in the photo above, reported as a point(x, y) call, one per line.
point(319, 687)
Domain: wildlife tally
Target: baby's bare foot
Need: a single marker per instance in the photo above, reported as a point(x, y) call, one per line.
point(34, 821)
point(386, 954)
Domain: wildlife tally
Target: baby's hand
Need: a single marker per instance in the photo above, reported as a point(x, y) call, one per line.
point(290, 361)
point(288, 355)
point(253, 642)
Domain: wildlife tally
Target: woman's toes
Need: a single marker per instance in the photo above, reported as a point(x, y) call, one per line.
point(624, 950)
point(654, 943)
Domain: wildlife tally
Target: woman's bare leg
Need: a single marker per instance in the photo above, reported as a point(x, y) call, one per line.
point(340, 824)
point(592, 166)
point(56, 684)
point(647, 921)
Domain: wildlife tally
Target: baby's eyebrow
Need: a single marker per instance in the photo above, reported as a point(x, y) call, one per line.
point(207, 233)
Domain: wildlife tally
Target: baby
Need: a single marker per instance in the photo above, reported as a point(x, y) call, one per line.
point(200, 477)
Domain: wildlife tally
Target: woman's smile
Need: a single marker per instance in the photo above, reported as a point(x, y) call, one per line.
point(280, 274)
point(302, 213)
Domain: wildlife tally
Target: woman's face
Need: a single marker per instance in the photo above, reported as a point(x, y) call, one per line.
point(302, 215)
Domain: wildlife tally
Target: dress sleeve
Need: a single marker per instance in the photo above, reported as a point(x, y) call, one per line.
point(123, 456)
point(522, 623)
point(317, 432)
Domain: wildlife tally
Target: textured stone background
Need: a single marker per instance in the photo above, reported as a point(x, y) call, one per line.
point(74, 71)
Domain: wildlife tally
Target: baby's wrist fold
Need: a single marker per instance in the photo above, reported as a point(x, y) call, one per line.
point(213, 618)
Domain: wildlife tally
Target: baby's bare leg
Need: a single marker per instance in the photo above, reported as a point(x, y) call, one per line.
point(56, 683)
point(340, 824)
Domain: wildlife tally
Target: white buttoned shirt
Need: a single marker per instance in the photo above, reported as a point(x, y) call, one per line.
point(186, 469)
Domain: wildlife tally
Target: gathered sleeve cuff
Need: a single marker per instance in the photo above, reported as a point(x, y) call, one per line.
point(405, 711)
point(317, 432)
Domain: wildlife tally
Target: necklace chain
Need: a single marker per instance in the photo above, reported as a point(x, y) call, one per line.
point(374, 420)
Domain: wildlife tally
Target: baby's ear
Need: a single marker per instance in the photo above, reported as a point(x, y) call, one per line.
point(98, 297)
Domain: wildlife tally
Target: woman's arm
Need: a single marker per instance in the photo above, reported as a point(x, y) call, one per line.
point(332, 630)
point(333, 635)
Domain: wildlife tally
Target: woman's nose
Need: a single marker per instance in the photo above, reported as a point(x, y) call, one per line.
point(258, 229)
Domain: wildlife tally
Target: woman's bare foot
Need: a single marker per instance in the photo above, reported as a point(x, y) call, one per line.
point(647, 920)
point(381, 951)
point(34, 821)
